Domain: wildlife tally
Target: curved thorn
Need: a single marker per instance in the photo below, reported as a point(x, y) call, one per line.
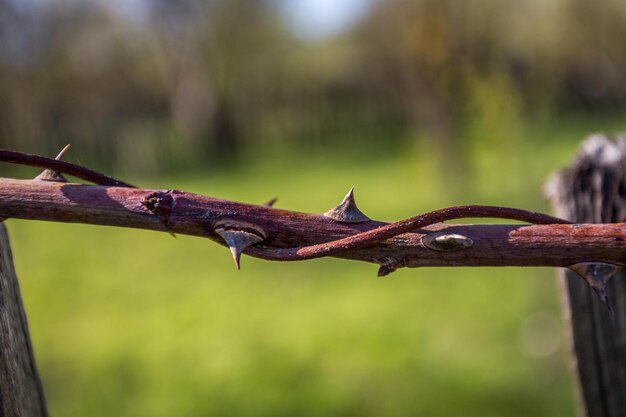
point(65, 148)
point(236, 254)
point(597, 275)
point(270, 202)
point(385, 270)
point(347, 211)
point(52, 175)
point(604, 297)
point(388, 265)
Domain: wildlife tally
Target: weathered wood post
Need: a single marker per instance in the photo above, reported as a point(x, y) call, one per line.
point(593, 190)
point(21, 392)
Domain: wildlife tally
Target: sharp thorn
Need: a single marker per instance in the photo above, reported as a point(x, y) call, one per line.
point(388, 265)
point(65, 148)
point(385, 270)
point(604, 297)
point(597, 275)
point(172, 234)
point(52, 175)
point(237, 240)
point(270, 203)
point(236, 253)
point(347, 211)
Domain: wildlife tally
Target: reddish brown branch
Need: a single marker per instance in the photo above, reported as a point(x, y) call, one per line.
point(288, 236)
point(356, 241)
point(289, 232)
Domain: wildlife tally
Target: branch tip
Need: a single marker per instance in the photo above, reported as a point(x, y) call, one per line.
point(388, 264)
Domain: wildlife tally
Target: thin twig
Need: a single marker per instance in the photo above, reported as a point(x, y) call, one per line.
point(77, 171)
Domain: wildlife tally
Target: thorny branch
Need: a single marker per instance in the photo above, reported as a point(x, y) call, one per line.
point(56, 165)
point(593, 251)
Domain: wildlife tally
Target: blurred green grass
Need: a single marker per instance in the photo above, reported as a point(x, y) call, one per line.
point(135, 323)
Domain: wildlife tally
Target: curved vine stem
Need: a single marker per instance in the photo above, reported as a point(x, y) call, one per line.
point(391, 230)
point(77, 171)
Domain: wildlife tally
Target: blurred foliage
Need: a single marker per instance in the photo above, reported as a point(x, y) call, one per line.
point(197, 83)
point(135, 323)
point(419, 104)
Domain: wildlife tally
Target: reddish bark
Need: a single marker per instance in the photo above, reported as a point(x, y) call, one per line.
point(288, 232)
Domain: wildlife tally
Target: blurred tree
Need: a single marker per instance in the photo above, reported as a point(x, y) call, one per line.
point(426, 58)
point(80, 81)
point(235, 51)
point(594, 54)
point(418, 56)
point(191, 82)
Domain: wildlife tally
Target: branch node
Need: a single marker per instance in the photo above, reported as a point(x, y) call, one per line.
point(161, 204)
point(444, 242)
point(388, 265)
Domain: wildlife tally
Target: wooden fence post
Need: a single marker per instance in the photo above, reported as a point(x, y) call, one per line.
point(593, 190)
point(21, 391)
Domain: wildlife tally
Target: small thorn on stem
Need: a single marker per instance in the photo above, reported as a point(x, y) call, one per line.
point(385, 270)
point(51, 175)
point(238, 238)
point(271, 202)
point(347, 211)
point(597, 275)
point(604, 297)
point(60, 154)
point(388, 265)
